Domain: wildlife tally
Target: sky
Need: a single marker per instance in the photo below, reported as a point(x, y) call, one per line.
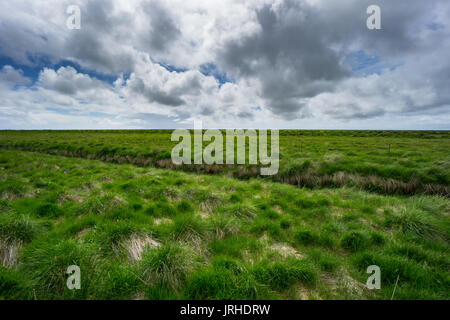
point(287, 64)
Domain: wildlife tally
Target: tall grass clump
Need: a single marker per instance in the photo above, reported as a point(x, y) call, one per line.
point(354, 241)
point(45, 263)
point(307, 236)
point(239, 210)
point(226, 279)
point(189, 227)
point(413, 278)
point(166, 266)
point(11, 284)
point(113, 237)
point(16, 232)
point(22, 228)
point(325, 260)
point(12, 186)
point(223, 226)
point(280, 275)
point(417, 223)
point(234, 246)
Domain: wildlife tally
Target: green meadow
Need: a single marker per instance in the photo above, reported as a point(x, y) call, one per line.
point(139, 229)
point(152, 233)
point(385, 162)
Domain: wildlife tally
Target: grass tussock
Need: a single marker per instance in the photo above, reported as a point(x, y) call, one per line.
point(146, 233)
point(166, 266)
point(419, 224)
point(45, 265)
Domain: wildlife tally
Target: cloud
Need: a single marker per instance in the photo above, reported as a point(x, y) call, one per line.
point(67, 80)
point(305, 62)
point(299, 50)
point(12, 77)
point(163, 30)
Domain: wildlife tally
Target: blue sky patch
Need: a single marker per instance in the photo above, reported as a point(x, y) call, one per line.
point(434, 26)
point(364, 64)
point(171, 68)
point(39, 63)
point(210, 69)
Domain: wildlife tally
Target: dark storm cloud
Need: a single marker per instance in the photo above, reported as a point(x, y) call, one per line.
point(299, 51)
point(153, 94)
point(352, 110)
point(245, 115)
point(288, 56)
point(89, 49)
point(162, 28)
point(206, 111)
point(98, 43)
point(101, 42)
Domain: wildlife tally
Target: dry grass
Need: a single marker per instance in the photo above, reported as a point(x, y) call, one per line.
point(135, 245)
point(308, 178)
point(82, 233)
point(286, 251)
point(342, 281)
point(159, 221)
point(9, 252)
point(372, 183)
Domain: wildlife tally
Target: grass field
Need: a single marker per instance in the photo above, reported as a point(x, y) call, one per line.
point(418, 162)
point(140, 232)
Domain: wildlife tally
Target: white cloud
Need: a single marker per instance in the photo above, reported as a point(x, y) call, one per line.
point(286, 59)
point(11, 77)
